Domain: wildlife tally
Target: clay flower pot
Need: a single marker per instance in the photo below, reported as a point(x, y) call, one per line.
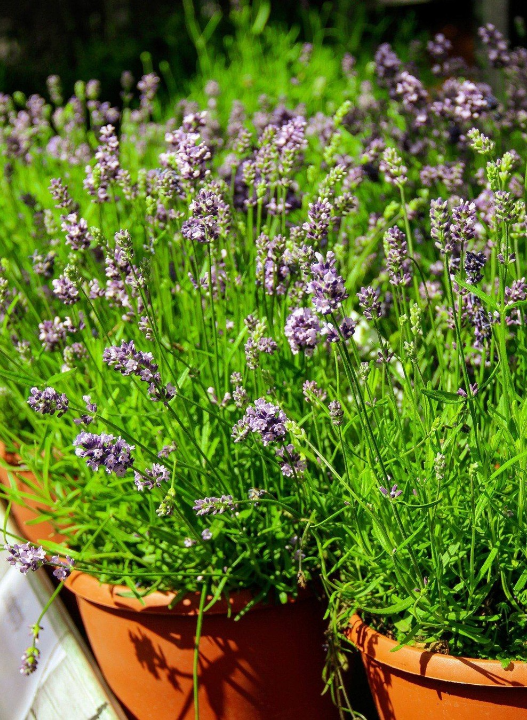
point(266, 666)
point(35, 533)
point(413, 684)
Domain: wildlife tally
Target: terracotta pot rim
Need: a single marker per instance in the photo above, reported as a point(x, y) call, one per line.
point(89, 588)
point(449, 668)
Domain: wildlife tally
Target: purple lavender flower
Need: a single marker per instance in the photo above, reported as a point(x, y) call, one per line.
point(71, 353)
point(167, 450)
point(256, 345)
point(152, 477)
point(397, 260)
point(292, 464)
point(330, 332)
point(393, 493)
point(43, 264)
point(413, 96)
point(25, 557)
point(203, 226)
point(348, 64)
point(54, 89)
point(302, 329)
point(317, 227)
point(369, 302)
point(76, 229)
point(213, 505)
point(387, 64)
point(291, 136)
point(504, 205)
point(129, 361)
point(107, 168)
point(439, 47)
point(347, 328)
point(497, 46)
point(59, 193)
point(52, 333)
point(336, 413)
point(63, 568)
point(264, 418)
point(29, 660)
point(395, 172)
point(48, 401)
point(147, 87)
point(463, 227)
point(480, 319)
point(440, 225)
point(188, 156)
point(327, 286)
point(196, 230)
point(310, 388)
point(65, 289)
point(474, 264)
point(206, 534)
point(273, 264)
point(91, 408)
point(516, 292)
point(113, 454)
point(462, 101)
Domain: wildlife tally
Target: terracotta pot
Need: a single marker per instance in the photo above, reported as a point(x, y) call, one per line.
point(35, 533)
point(412, 684)
point(266, 666)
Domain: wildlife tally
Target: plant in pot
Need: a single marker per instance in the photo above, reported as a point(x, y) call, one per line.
point(155, 335)
point(431, 454)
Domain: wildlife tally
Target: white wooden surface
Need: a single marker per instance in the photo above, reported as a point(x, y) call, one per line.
point(67, 684)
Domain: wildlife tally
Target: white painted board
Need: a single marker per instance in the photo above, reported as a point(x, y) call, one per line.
point(67, 685)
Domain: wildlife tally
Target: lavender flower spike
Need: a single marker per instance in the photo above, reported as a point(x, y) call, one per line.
point(302, 329)
point(213, 505)
point(25, 557)
point(63, 568)
point(151, 478)
point(113, 454)
point(48, 401)
point(327, 286)
point(393, 493)
point(264, 418)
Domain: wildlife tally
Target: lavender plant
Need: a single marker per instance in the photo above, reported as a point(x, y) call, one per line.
point(270, 344)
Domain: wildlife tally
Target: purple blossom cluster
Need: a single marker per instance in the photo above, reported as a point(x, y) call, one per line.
point(48, 401)
point(474, 264)
point(264, 419)
point(398, 263)
point(186, 154)
point(326, 285)
point(213, 505)
point(128, 361)
point(275, 264)
point(302, 329)
point(52, 333)
point(202, 226)
point(369, 302)
point(76, 229)
point(292, 464)
point(25, 557)
point(65, 289)
point(114, 454)
point(497, 46)
point(29, 558)
point(107, 168)
point(319, 219)
point(152, 477)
